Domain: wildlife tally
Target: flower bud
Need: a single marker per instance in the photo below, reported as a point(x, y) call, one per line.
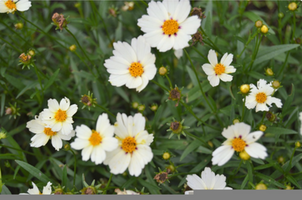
point(166, 156)
point(141, 108)
point(292, 6)
point(73, 48)
point(135, 105)
point(261, 186)
point(280, 15)
point(258, 24)
point(269, 72)
point(245, 88)
point(162, 71)
point(262, 128)
point(297, 144)
point(236, 121)
point(19, 25)
point(264, 29)
point(276, 84)
point(244, 156)
point(281, 159)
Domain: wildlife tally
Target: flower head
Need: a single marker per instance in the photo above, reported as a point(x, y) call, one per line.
point(43, 133)
point(10, 6)
point(218, 71)
point(133, 150)
point(207, 181)
point(94, 143)
point(260, 97)
point(35, 189)
point(133, 65)
point(239, 139)
point(59, 21)
point(167, 24)
point(59, 116)
point(119, 192)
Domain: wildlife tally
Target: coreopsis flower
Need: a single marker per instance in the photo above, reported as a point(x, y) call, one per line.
point(95, 143)
point(133, 65)
point(10, 6)
point(59, 116)
point(43, 133)
point(207, 181)
point(260, 97)
point(167, 24)
point(219, 71)
point(119, 192)
point(35, 189)
point(239, 139)
point(133, 150)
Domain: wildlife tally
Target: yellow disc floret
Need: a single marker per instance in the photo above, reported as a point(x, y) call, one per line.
point(129, 144)
point(10, 5)
point(219, 69)
point(238, 144)
point(60, 115)
point(261, 97)
point(136, 69)
point(95, 138)
point(170, 27)
point(49, 132)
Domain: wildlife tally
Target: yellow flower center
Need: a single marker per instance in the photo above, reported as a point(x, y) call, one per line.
point(60, 115)
point(129, 144)
point(219, 69)
point(49, 132)
point(238, 144)
point(95, 138)
point(170, 27)
point(136, 69)
point(261, 97)
point(10, 5)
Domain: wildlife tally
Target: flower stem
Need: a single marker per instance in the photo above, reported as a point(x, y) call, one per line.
point(107, 111)
point(169, 80)
point(257, 45)
point(105, 190)
point(74, 167)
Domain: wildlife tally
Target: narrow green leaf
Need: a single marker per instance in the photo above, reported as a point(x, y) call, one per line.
point(293, 181)
point(191, 147)
point(269, 180)
point(33, 171)
point(5, 190)
point(192, 76)
point(153, 189)
point(51, 80)
point(288, 101)
point(122, 93)
point(29, 86)
point(2, 104)
point(249, 171)
point(280, 131)
point(64, 178)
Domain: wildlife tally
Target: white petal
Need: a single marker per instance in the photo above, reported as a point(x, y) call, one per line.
point(145, 82)
point(276, 101)
point(157, 10)
point(166, 43)
point(254, 136)
point(214, 80)
point(66, 128)
point(226, 59)
point(47, 188)
point(23, 5)
point(208, 69)
point(120, 162)
point(86, 152)
point(125, 51)
point(195, 182)
point(34, 190)
point(261, 107)
point(72, 110)
point(64, 104)
point(53, 105)
point(79, 144)
point(212, 57)
point(256, 150)
point(134, 82)
point(149, 24)
point(182, 10)
point(226, 77)
point(100, 156)
point(109, 143)
point(190, 25)
point(56, 142)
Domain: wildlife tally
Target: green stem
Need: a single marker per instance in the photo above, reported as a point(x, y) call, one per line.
point(107, 111)
point(169, 81)
point(195, 72)
point(290, 161)
point(161, 86)
point(107, 186)
point(12, 46)
point(294, 25)
point(257, 45)
point(39, 78)
point(247, 43)
point(283, 66)
point(199, 53)
point(195, 137)
point(74, 167)
point(212, 44)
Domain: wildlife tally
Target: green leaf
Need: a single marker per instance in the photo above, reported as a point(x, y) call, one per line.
point(153, 189)
point(33, 171)
point(280, 131)
point(257, 75)
point(254, 17)
point(192, 76)
point(157, 116)
point(51, 80)
point(269, 180)
point(2, 104)
point(244, 182)
point(122, 93)
point(289, 100)
point(268, 53)
point(65, 179)
point(33, 84)
point(249, 171)
point(5, 190)
point(191, 147)
point(293, 181)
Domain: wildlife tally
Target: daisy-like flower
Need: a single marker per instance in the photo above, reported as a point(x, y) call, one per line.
point(35, 189)
point(133, 150)
point(207, 181)
point(260, 97)
point(59, 116)
point(119, 192)
point(167, 24)
point(95, 142)
point(10, 6)
point(239, 139)
point(133, 65)
point(44, 133)
point(218, 71)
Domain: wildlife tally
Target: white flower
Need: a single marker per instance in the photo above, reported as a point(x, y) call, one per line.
point(219, 71)
point(207, 181)
point(59, 117)
point(300, 118)
point(119, 192)
point(239, 139)
point(167, 24)
point(95, 142)
point(10, 6)
point(178, 53)
point(133, 65)
point(133, 150)
point(260, 97)
point(44, 133)
point(35, 189)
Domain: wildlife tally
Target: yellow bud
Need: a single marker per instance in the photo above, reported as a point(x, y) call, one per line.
point(288, 187)
point(244, 156)
point(292, 6)
point(210, 144)
point(141, 108)
point(261, 186)
point(31, 52)
point(269, 72)
point(166, 156)
point(236, 121)
point(264, 29)
point(262, 128)
point(162, 71)
point(19, 25)
point(135, 105)
point(245, 88)
point(276, 84)
point(297, 144)
point(281, 159)
point(258, 23)
point(77, 5)
point(73, 48)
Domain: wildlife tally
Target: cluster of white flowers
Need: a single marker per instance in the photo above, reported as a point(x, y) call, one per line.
point(53, 123)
